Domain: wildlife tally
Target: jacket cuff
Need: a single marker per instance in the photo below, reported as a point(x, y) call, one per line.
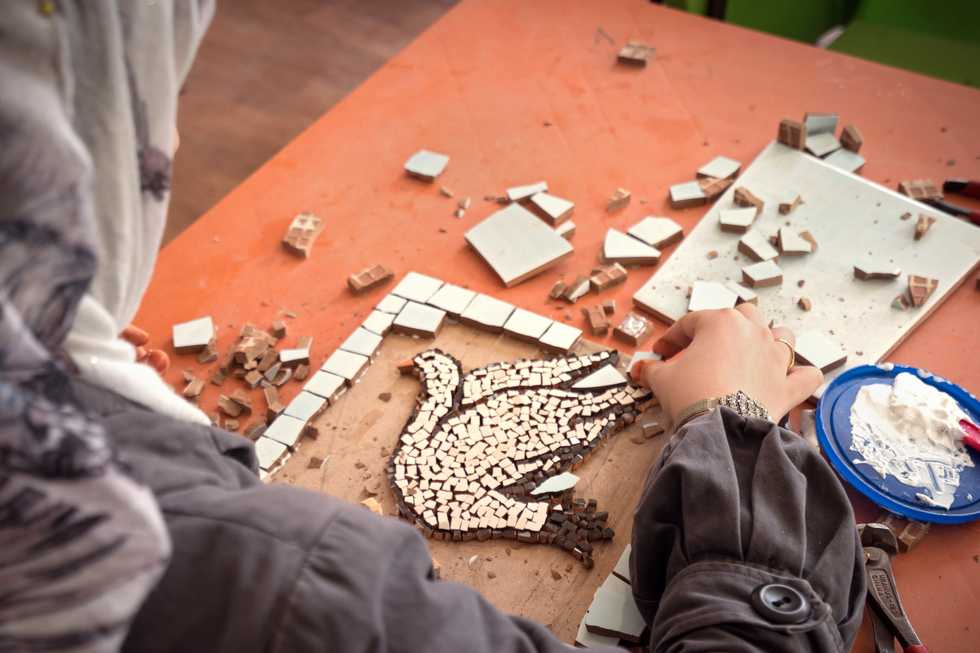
point(709, 594)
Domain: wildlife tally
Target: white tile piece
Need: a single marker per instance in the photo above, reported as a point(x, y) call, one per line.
point(420, 317)
point(488, 312)
point(304, 406)
point(656, 232)
point(821, 144)
point(379, 322)
point(286, 430)
point(327, 385)
point(526, 325)
point(452, 299)
point(605, 377)
point(196, 333)
point(566, 229)
point(745, 295)
point(346, 365)
point(645, 356)
point(720, 168)
point(690, 190)
point(880, 270)
point(362, 342)
point(617, 585)
point(561, 336)
point(623, 249)
point(821, 123)
point(579, 292)
point(613, 614)
point(622, 568)
point(417, 287)
point(556, 209)
point(559, 483)
point(517, 245)
point(759, 245)
point(391, 304)
point(816, 349)
point(846, 160)
point(520, 193)
point(585, 639)
point(426, 165)
point(290, 356)
point(737, 220)
point(760, 272)
point(268, 452)
point(709, 295)
point(791, 243)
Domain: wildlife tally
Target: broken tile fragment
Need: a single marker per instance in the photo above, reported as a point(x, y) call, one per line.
point(608, 278)
point(625, 250)
point(609, 306)
point(805, 304)
point(757, 248)
point(793, 244)
point(393, 304)
point(737, 221)
point(686, 195)
point(487, 313)
point(368, 279)
point(193, 337)
point(657, 232)
point(813, 348)
point(560, 338)
point(636, 53)
point(745, 295)
point(820, 145)
point(327, 385)
point(618, 200)
point(901, 303)
point(847, 161)
point(866, 271)
point(524, 193)
point(720, 167)
point(242, 399)
point(921, 289)
point(558, 484)
point(517, 245)
point(301, 234)
point(304, 406)
point(635, 329)
point(793, 134)
point(576, 289)
point(923, 224)
point(921, 189)
point(651, 429)
point(713, 188)
point(194, 387)
point(762, 275)
point(708, 295)
point(788, 207)
point(851, 139)
point(279, 329)
point(613, 614)
point(596, 319)
point(426, 165)
point(604, 378)
point(269, 453)
point(419, 320)
point(744, 197)
point(566, 229)
point(554, 210)
point(229, 407)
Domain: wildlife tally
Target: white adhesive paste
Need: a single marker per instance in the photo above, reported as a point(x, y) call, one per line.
point(911, 431)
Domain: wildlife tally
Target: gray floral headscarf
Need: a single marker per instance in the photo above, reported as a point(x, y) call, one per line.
point(87, 107)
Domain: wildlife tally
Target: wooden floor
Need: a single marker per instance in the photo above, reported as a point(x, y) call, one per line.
point(265, 72)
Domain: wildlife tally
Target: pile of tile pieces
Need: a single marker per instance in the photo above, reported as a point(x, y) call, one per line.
point(613, 615)
point(486, 454)
point(418, 306)
point(816, 135)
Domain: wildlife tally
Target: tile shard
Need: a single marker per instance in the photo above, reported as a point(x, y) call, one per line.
point(193, 337)
point(720, 167)
point(524, 193)
point(636, 53)
point(526, 326)
point(921, 289)
point(607, 278)
point(744, 198)
point(762, 275)
point(847, 161)
point(757, 248)
point(350, 367)
point(851, 139)
point(737, 221)
point(426, 165)
point(614, 615)
point(602, 379)
point(921, 189)
point(560, 483)
point(635, 329)
point(792, 134)
point(813, 348)
point(708, 295)
point(713, 188)
point(923, 224)
point(792, 244)
point(452, 299)
point(622, 249)
point(866, 271)
point(785, 208)
point(686, 195)
point(554, 210)
point(517, 245)
point(368, 279)
point(618, 200)
point(745, 295)
point(301, 234)
point(657, 232)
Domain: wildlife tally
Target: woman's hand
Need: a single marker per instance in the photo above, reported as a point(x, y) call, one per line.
point(727, 350)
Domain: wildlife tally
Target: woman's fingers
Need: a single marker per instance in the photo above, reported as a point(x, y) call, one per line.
point(788, 346)
point(801, 382)
point(752, 313)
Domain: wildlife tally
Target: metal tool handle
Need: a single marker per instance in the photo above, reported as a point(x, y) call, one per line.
point(883, 593)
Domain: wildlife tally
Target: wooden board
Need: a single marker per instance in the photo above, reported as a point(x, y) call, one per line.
point(852, 219)
point(362, 428)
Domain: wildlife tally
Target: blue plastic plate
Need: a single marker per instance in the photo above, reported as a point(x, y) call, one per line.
point(834, 431)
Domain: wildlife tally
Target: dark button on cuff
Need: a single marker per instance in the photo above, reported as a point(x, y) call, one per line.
point(780, 604)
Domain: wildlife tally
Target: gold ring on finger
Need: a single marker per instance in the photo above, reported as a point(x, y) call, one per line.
point(792, 354)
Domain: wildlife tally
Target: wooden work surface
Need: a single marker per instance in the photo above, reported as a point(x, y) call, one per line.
point(479, 86)
point(361, 428)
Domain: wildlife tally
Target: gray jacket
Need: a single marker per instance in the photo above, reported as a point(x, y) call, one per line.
point(731, 504)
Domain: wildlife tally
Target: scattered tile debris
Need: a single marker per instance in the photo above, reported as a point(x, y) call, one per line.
point(786, 208)
point(744, 197)
point(301, 234)
point(805, 304)
point(737, 221)
point(524, 193)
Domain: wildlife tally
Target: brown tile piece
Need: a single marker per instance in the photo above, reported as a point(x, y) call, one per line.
point(302, 371)
point(231, 424)
point(279, 329)
point(229, 407)
point(210, 353)
point(255, 430)
point(218, 379)
point(808, 237)
point(744, 197)
point(793, 134)
point(609, 306)
point(923, 224)
point(240, 398)
point(851, 139)
point(788, 207)
point(557, 290)
point(921, 289)
point(269, 359)
point(805, 304)
point(556, 574)
point(273, 406)
point(635, 329)
point(712, 187)
point(368, 279)
point(302, 232)
point(596, 319)
point(608, 277)
point(920, 189)
point(194, 387)
point(572, 291)
point(636, 53)
point(618, 200)
point(252, 379)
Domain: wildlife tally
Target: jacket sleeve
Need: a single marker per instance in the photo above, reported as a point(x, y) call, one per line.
point(732, 504)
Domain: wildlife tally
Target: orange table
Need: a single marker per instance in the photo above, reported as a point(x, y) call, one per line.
point(480, 86)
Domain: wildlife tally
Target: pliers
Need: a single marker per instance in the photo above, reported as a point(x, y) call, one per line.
point(962, 187)
point(888, 617)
